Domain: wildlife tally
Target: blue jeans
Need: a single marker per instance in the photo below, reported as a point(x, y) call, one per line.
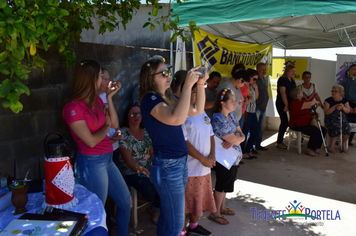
point(99, 174)
point(241, 121)
point(251, 125)
point(143, 184)
point(170, 179)
point(261, 116)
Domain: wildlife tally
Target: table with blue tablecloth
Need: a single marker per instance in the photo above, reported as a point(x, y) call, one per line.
point(88, 203)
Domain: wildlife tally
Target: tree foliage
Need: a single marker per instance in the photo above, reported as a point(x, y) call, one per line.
point(29, 25)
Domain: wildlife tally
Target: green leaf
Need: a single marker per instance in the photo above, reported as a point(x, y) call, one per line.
point(146, 24)
point(3, 4)
point(20, 3)
point(7, 11)
point(154, 11)
point(2, 23)
point(20, 28)
point(52, 38)
point(192, 23)
point(176, 19)
point(152, 27)
point(18, 56)
point(165, 27)
point(13, 97)
point(3, 56)
point(174, 37)
point(45, 45)
point(24, 87)
point(64, 12)
point(10, 29)
point(13, 43)
point(49, 27)
point(5, 103)
point(17, 107)
point(40, 19)
point(5, 87)
point(22, 12)
point(40, 30)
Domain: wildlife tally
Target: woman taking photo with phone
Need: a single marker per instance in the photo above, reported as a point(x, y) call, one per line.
point(163, 114)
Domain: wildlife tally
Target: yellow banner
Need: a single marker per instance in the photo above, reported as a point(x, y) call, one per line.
point(220, 54)
point(279, 64)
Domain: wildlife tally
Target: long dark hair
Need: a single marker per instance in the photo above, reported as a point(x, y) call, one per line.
point(217, 107)
point(86, 75)
point(147, 86)
point(125, 122)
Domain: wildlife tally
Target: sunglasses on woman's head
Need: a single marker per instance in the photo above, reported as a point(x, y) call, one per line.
point(165, 73)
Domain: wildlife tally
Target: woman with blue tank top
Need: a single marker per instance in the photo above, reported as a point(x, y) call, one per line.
point(163, 114)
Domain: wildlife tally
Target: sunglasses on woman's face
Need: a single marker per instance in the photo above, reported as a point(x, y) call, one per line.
point(133, 114)
point(165, 73)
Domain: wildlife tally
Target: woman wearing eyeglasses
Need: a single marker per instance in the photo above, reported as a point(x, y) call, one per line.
point(136, 153)
point(332, 108)
point(163, 116)
point(89, 122)
point(239, 80)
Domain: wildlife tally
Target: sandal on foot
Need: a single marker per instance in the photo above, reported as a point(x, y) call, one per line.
point(281, 146)
point(218, 219)
point(227, 211)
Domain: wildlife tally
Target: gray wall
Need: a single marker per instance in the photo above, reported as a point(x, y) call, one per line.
point(22, 135)
point(134, 35)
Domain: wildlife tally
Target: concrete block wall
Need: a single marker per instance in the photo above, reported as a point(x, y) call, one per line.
point(22, 134)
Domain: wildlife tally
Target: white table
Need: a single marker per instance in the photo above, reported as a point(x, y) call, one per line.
point(88, 203)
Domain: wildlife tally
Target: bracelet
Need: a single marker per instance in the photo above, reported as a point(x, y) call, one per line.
point(200, 84)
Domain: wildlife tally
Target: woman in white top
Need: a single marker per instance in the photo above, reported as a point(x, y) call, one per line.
point(201, 148)
point(310, 91)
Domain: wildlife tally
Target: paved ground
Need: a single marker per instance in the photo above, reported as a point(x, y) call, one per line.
point(273, 181)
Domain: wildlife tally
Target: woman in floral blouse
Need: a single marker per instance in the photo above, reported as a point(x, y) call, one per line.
point(136, 152)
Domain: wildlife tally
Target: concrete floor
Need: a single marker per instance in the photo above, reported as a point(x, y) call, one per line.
point(273, 181)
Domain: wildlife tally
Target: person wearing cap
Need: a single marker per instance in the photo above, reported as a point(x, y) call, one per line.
point(163, 115)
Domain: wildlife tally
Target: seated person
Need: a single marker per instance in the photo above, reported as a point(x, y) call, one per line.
point(300, 119)
point(136, 152)
point(332, 107)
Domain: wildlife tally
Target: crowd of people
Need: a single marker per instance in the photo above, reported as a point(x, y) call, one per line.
point(181, 128)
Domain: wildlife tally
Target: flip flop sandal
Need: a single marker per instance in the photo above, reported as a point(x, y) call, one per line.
point(281, 146)
point(227, 211)
point(216, 219)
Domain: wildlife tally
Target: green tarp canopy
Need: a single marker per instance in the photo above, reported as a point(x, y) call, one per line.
point(287, 24)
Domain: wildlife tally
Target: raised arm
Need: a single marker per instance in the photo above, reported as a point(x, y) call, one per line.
point(113, 88)
point(198, 107)
point(177, 116)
